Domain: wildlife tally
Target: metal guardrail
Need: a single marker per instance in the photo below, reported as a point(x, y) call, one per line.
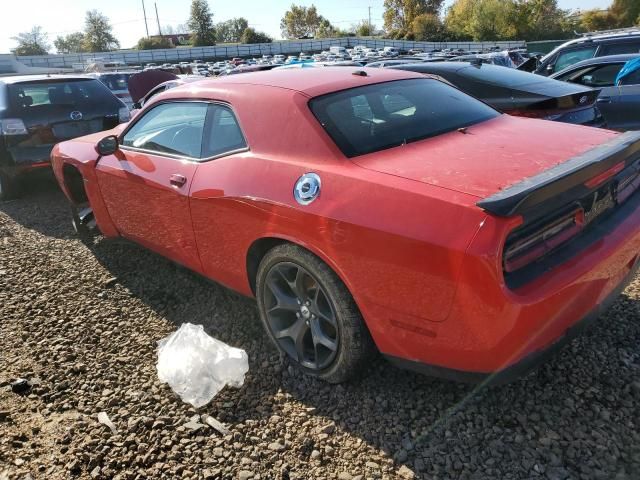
point(173, 55)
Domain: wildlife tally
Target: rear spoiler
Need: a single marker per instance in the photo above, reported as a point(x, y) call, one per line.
point(564, 180)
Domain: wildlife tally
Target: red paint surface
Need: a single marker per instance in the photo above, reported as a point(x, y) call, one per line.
point(400, 227)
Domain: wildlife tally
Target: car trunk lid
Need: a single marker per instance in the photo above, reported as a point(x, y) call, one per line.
point(488, 157)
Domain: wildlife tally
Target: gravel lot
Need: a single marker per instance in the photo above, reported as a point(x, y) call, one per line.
point(80, 322)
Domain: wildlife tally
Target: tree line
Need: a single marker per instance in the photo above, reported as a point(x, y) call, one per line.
point(422, 20)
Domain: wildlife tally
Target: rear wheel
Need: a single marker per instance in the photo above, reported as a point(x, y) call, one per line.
point(310, 315)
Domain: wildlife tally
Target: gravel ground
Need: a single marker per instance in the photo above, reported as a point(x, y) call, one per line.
point(80, 322)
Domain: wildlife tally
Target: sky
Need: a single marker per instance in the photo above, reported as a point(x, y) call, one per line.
point(127, 19)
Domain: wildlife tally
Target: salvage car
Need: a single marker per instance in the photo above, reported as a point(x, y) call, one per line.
point(518, 93)
point(373, 210)
point(619, 103)
point(38, 111)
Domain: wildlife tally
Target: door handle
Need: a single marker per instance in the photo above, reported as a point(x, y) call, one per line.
point(604, 100)
point(177, 180)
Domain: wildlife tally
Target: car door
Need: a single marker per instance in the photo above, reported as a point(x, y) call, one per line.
point(145, 184)
point(628, 102)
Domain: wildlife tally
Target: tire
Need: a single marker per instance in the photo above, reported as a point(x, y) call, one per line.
point(8, 187)
point(311, 318)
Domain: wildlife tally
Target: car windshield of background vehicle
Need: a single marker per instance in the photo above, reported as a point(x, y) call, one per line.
point(376, 117)
point(170, 128)
point(116, 81)
point(566, 59)
point(75, 94)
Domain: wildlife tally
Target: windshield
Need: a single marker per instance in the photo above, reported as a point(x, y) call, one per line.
point(376, 117)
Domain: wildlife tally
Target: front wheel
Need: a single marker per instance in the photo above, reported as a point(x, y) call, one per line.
point(310, 315)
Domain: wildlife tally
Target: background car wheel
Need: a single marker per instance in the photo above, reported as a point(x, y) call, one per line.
point(8, 187)
point(310, 315)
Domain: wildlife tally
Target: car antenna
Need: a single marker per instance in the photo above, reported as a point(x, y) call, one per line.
point(359, 73)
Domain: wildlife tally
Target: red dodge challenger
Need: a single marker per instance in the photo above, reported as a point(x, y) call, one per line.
point(373, 211)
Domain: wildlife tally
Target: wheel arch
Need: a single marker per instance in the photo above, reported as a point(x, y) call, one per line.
point(259, 248)
point(74, 184)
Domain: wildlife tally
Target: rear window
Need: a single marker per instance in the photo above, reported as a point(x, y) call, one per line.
point(385, 115)
point(116, 81)
point(503, 76)
point(75, 93)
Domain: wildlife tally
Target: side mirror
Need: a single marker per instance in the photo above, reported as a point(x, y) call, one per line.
point(107, 146)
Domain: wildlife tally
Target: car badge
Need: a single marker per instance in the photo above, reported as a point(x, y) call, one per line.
point(307, 188)
point(583, 99)
point(75, 115)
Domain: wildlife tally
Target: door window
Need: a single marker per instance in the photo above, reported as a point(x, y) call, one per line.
point(602, 76)
point(566, 59)
point(631, 79)
point(170, 128)
point(620, 48)
point(224, 134)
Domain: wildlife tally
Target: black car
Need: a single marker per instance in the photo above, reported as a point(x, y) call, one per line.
point(619, 104)
point(38, 111)
point(518, 93)
point(590, 46)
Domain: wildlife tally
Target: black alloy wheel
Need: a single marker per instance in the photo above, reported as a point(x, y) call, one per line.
point(310, 315)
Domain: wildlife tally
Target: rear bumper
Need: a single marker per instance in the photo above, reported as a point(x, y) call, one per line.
point(530, 361)
point(16, 161)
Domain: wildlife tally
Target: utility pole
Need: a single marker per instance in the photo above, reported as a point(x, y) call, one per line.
point(158, 19)
point(370, 32)
point(144, 12)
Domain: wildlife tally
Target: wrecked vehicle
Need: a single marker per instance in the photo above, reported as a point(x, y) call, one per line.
point(518, 93)
point(618, 78)
point(373, 210)
point(38, 111)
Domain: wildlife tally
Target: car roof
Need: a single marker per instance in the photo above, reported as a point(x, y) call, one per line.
point(598, 38)
point(311, 81)
point(601, 61)
point(39, 78)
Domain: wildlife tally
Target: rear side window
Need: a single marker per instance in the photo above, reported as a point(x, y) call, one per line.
point(75, 94)
point(170, 128)
point(223, 133)
point(385, 115)
point(620, 48)
point(601, 76)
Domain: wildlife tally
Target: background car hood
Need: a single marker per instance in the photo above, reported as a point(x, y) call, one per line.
point(489, 157)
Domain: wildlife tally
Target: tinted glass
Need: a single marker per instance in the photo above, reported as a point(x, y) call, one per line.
point(620, 48)
point(502, 76)
point(602, 76)
point(375, 117)
point(631, 79)
point(116, 81)
point(173, 128)
point(568, 58)
point(224, 135)
point(75, 94)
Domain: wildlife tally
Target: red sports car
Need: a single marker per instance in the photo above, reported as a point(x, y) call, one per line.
point(376, 210)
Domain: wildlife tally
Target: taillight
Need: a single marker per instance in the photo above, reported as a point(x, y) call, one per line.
point(124, 115)
point(12, 126)
point(536, 244)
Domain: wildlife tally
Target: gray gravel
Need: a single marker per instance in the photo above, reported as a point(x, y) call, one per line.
point(80, 324)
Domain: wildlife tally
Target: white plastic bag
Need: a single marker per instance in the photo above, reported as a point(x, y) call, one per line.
point(197, 366)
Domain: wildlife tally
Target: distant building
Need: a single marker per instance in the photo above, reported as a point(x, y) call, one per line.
point(177, 39)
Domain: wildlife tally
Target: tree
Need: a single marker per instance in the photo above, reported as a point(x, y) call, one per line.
point(626, 12)
point(251, 36)
point(541, 20)
point(72, 43)
point(201, 24)
point(231, 31)
point(428, 28)
point(364, 29)
point(399, 14)
point(97, 33)
point(153, 43)
point(594, 20)
point(303, 22)
point(325, 30)
point(32, 43)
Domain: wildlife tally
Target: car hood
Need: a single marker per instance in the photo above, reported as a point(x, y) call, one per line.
point(489, 157)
